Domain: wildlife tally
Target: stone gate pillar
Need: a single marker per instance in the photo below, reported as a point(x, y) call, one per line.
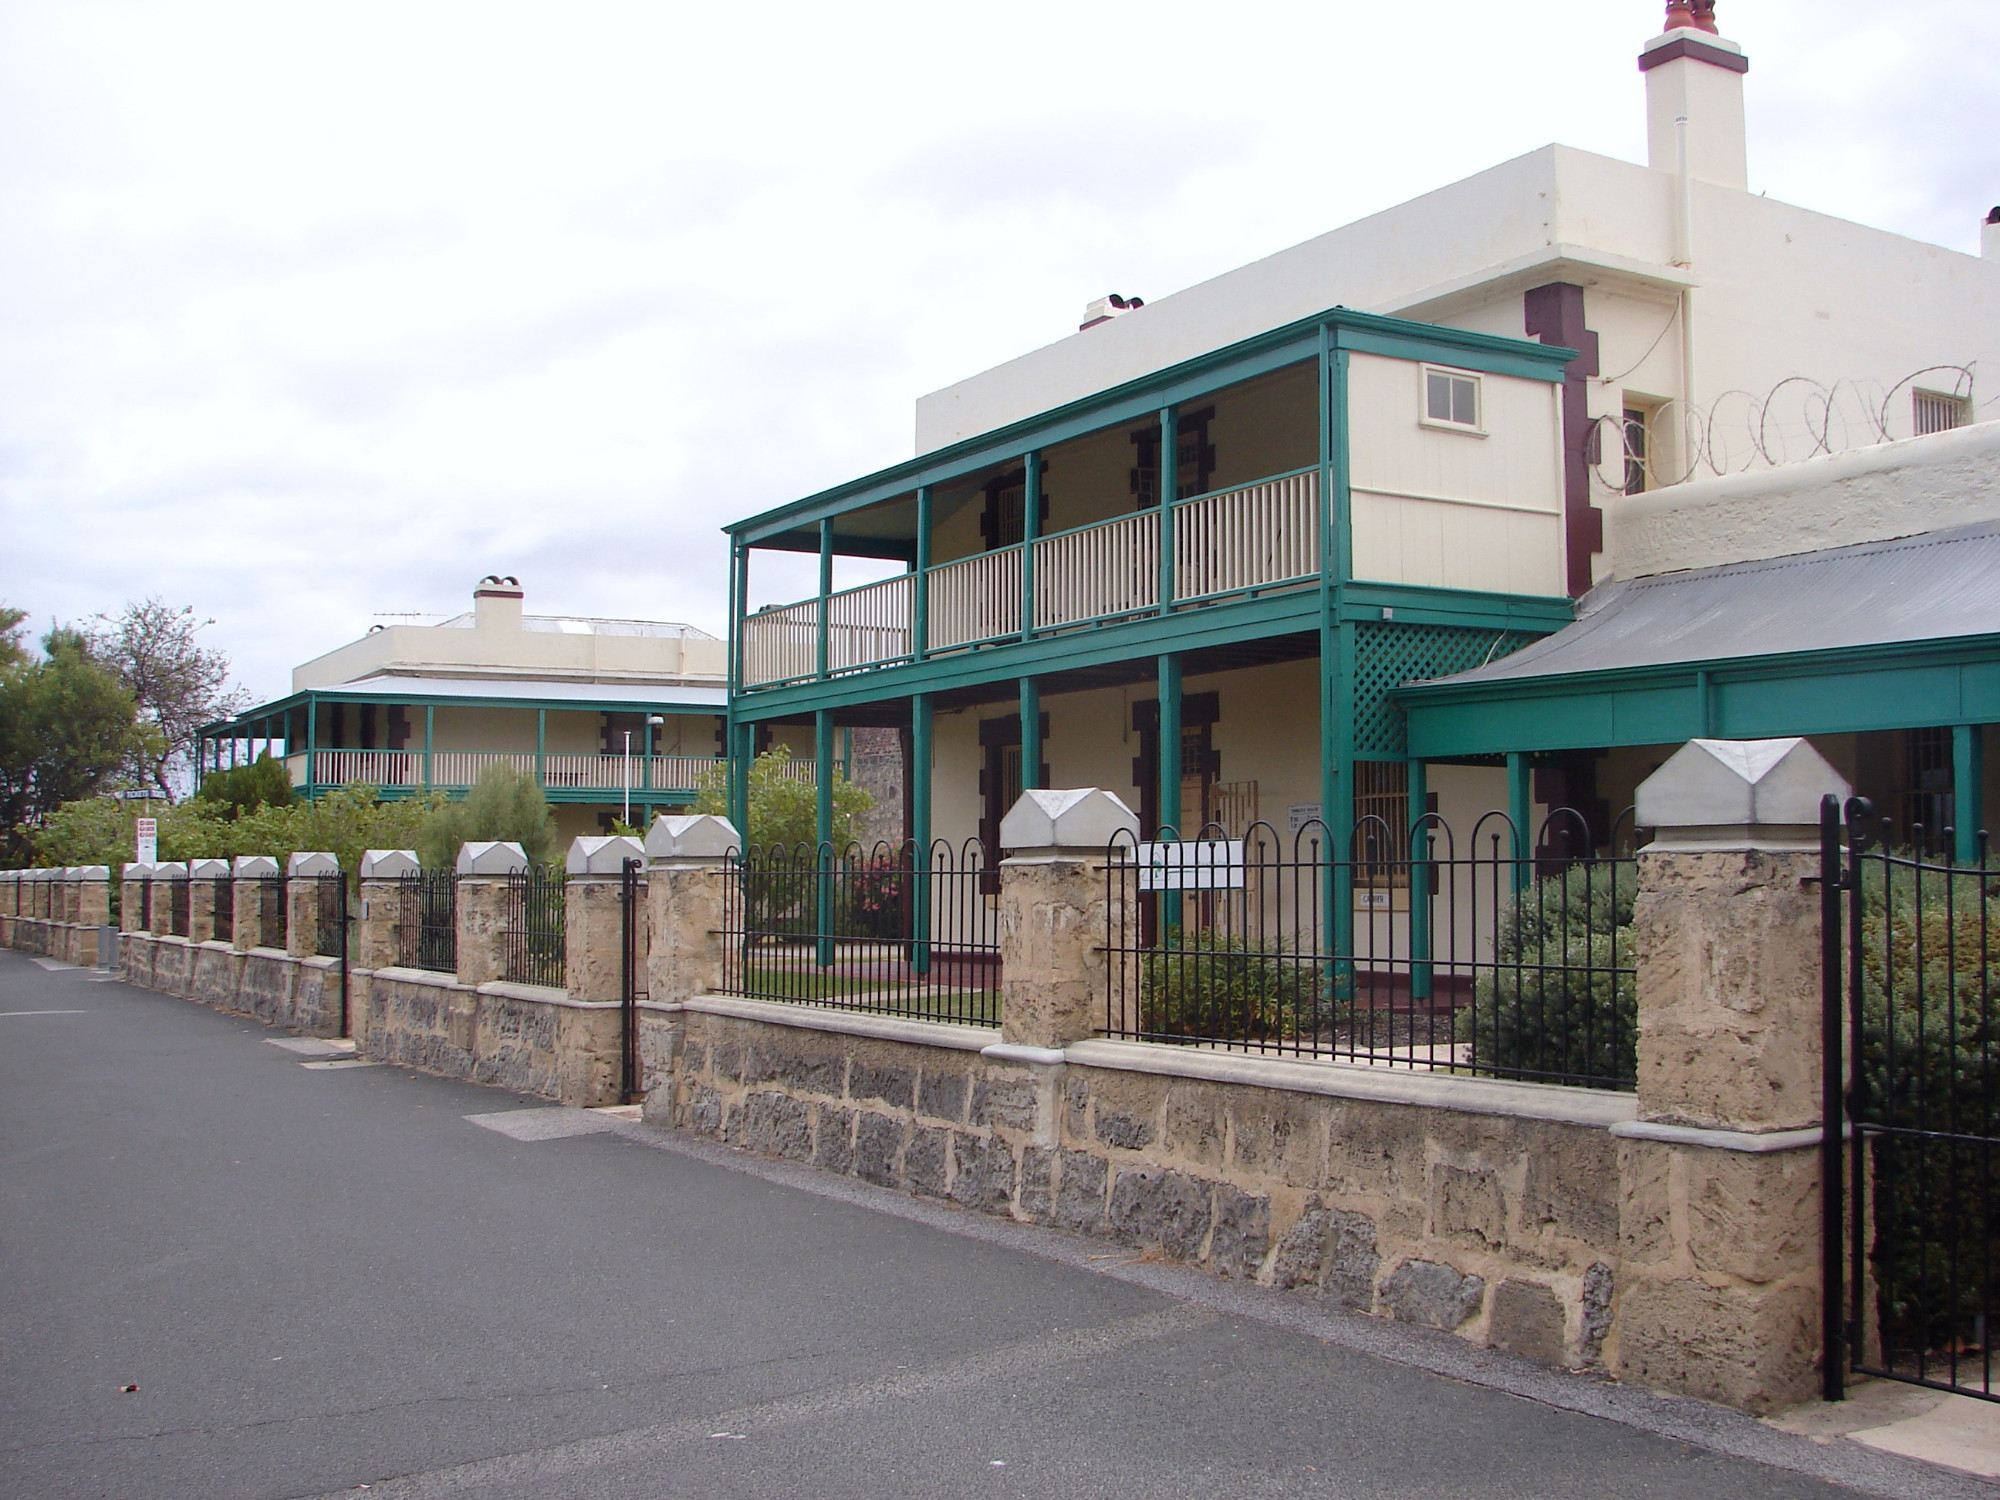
point(1055, 910)
point(305, 892)
point(132, 897)
point(379, 934)
point(1718, 1290)
point(689, 867)
point(593, 918)
point(483, 869)
point(202, 875)
point(247, 925)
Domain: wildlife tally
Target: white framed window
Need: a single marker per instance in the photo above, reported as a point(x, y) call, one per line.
point(1937, 412)
point(1452, 399)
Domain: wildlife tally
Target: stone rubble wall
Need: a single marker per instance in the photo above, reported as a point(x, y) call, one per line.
point(526, 1038)
point(1503, 1230)
point(66, 942)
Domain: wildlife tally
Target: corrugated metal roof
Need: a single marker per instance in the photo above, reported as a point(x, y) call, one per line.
point(1934, 586)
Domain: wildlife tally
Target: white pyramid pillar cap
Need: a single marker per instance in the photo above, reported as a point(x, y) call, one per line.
point(172, 869)
point(253, 866)
point(388, 864)
point(93, 872)
point(314, 863)
point(133, 871)
point(208, 869)
point(1738, 794)
point(692, 836)
point(603, 854)
point(1080, 818)
point(492, 857)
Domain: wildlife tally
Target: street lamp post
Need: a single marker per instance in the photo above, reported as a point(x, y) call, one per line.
point(651, 721)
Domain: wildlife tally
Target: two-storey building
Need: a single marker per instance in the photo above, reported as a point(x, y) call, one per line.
point(1190, 551)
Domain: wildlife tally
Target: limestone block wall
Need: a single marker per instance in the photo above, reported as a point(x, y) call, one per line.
point(527, 1038)
point(1501, 1227)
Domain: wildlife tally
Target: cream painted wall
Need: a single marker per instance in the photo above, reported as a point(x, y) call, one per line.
point(1448, 508)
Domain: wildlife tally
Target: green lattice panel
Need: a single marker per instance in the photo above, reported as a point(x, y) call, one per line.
point(1388, 655)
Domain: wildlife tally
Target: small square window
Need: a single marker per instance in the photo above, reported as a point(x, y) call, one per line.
point(1451, 399)
point(1937, 412)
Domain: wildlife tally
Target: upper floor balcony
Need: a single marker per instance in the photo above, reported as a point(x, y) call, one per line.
point(1344, 455)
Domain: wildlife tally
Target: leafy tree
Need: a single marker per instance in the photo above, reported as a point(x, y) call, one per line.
point(66, 730)
point(177, 683)
point(243, 789)
point(784, 806)
point(13, 651)
point(506, 804)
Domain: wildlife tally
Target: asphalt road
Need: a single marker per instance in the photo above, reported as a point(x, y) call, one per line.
point(324, 1279)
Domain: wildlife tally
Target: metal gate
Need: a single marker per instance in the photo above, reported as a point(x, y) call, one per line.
point(1911, 953)
point(632, 948)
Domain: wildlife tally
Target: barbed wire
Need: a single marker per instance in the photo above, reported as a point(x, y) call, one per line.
point(1738, 431)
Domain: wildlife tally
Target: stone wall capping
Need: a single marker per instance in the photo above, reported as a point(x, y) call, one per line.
point(1021, 1053)
point(133, 871)
point(313, 862)
point(692, 836)
point(249, 866)
point(1478, 1096)
point(603, 854)
point(491, 857)
point(93, 872)
point(539, 994)
point(847, 1022)
point(1736, 794)
point(170, 870)
point(389, 864)
point(1756, 1143)
point(208, 869)
point(1077, 818)
point(432, 978)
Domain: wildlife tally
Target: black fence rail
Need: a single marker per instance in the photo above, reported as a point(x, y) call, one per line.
point(894, 928)
point(329, 915)
point(1493, 956)
point(180, 895)
point(1922, 1029)
point(222, 908)
point(427, 925)
point(536, 916)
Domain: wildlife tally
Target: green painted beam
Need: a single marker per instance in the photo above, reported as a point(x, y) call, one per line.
point(1968, 775)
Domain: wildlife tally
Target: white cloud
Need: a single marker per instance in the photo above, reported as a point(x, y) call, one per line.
point(317, 312)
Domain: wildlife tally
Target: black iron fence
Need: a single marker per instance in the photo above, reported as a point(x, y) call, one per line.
point(329, 906)
point(535, 927)
point(222, 904)
point(1491, 956)
point(1922, 1041)
point(634, 944)
point(179, 895)
point(274, 914)
point(427, 927)
point(895, 928)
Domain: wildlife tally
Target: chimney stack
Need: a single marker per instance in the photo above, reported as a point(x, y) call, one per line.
point(1989, 236)
point(1693, 74)
point(496, 603)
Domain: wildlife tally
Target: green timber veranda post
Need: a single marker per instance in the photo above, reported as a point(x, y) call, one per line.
point(920, 610)
point(1519, 810)
point(1968, 811)
point(1170, 776)
point(430, 724)
point(823, 829)
point(1031, 528)
point(1337, 648)
point(1418, 832)
point(920, 831)
point(1170, 475)
point(823, 617)
point(1031, 734)
point(541, 747)
point(312, 746)
point(739, 739)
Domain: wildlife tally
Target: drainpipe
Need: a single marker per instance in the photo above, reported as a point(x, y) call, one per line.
point(1684, 258)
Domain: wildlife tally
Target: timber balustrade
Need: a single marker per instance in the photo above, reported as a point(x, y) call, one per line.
point(1233, 542)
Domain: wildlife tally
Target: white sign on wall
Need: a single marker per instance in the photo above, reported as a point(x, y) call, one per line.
point(1192, 865)
point(148, 840)
point(1299, 814)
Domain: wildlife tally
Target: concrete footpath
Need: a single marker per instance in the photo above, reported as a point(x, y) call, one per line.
point(320, 1277)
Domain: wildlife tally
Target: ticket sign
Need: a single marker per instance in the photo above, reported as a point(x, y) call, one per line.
point(1192, 865)
point(148, 840)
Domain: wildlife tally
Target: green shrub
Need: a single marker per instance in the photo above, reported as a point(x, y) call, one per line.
point(784, 808)
point(263, 783)
point(506, 804)
point(1213, 985)
point(1569, 1010)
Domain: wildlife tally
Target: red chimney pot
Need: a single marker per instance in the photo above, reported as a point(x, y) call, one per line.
point(1704, 16)
point(1680, 13)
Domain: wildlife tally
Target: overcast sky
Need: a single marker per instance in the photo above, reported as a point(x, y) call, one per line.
point(312, 312)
